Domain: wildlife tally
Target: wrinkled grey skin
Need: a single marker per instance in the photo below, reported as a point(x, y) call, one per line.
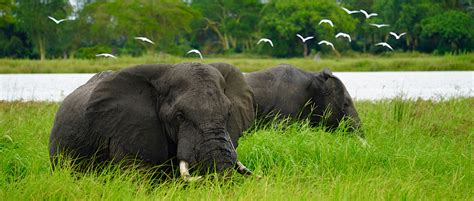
point(156, 114)
point(286, 90)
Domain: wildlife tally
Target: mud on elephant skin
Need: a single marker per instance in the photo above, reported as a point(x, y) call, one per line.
point(189, 113)
point(291, 92)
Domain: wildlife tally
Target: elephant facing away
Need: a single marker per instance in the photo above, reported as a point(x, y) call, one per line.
point(188, 113)
point(292, 92)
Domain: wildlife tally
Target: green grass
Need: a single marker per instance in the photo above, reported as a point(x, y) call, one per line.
point(389, 62)
point(419, 150)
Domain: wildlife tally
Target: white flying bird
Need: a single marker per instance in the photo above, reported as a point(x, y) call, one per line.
point(368, 15)
point(340, 34)
point(350, 11)
point(144, 39)
point(326, 43)
point(195, 51)
point(397, 36)
point(106, 55)
point(265, 40)
point(326, 21)
point(380, 25)
point(385, 45)
point(304, 39)
point(57, 21)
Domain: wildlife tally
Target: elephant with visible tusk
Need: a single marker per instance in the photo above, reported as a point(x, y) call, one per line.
point(291, 92)
point(189, 113)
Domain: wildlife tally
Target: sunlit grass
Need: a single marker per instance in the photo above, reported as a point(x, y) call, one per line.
point(249, 63)
point(417, 150)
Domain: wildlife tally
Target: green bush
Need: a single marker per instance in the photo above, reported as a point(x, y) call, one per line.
point(452, 31)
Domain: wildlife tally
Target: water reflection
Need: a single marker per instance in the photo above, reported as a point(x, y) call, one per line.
point(361, 85)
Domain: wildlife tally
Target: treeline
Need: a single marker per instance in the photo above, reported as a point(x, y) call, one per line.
point(229, 26)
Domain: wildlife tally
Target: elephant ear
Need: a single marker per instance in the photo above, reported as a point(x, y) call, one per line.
point(329, 92)
point(326, 73)
point(322, 82)
point(319, 91)
point(122, 111)
point(241, 96)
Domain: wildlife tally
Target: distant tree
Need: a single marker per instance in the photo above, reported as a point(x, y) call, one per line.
point(232, 22)
point(228, 26)
point(6, 10)
point(76, 33)
point(360, 4)
point(468, 6)
point(32, 16)
point(115, 22)
point(14, 43)
point(282, 20)
point(406, 16)
point(70, 37)
point(6, 21)
point(451, 30)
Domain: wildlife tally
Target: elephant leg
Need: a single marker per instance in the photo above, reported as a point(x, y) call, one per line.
point(118, 153)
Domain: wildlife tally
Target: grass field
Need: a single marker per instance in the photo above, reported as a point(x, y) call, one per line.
point(419, 150)
point(390, 62)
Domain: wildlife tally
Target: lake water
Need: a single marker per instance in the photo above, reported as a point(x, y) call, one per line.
point(361, 85)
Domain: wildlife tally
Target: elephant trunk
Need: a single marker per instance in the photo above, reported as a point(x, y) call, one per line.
point(354, 120)
point(216, 152)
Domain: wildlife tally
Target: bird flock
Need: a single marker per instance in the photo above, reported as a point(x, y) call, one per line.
point(108, 55)
point(366, 14)
point(140, 38)
point(270, 42)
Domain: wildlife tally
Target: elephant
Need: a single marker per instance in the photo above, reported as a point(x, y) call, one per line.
point(191, 114)
point(287, 91)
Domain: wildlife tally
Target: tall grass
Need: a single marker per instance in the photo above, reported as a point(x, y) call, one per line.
point(419, 150)
point(390, 62)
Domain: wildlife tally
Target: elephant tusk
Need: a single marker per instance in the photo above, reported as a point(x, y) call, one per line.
point(245, 171)
point(364, 142)
point(242, 169)
point(184, 171)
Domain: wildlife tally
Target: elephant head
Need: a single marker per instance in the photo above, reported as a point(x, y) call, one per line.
point(191, 112)
point(333, 102)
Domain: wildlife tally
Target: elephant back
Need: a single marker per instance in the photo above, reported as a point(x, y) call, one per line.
point(281, 90)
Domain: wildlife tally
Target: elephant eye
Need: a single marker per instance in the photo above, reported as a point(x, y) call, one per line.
point(180, 116)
